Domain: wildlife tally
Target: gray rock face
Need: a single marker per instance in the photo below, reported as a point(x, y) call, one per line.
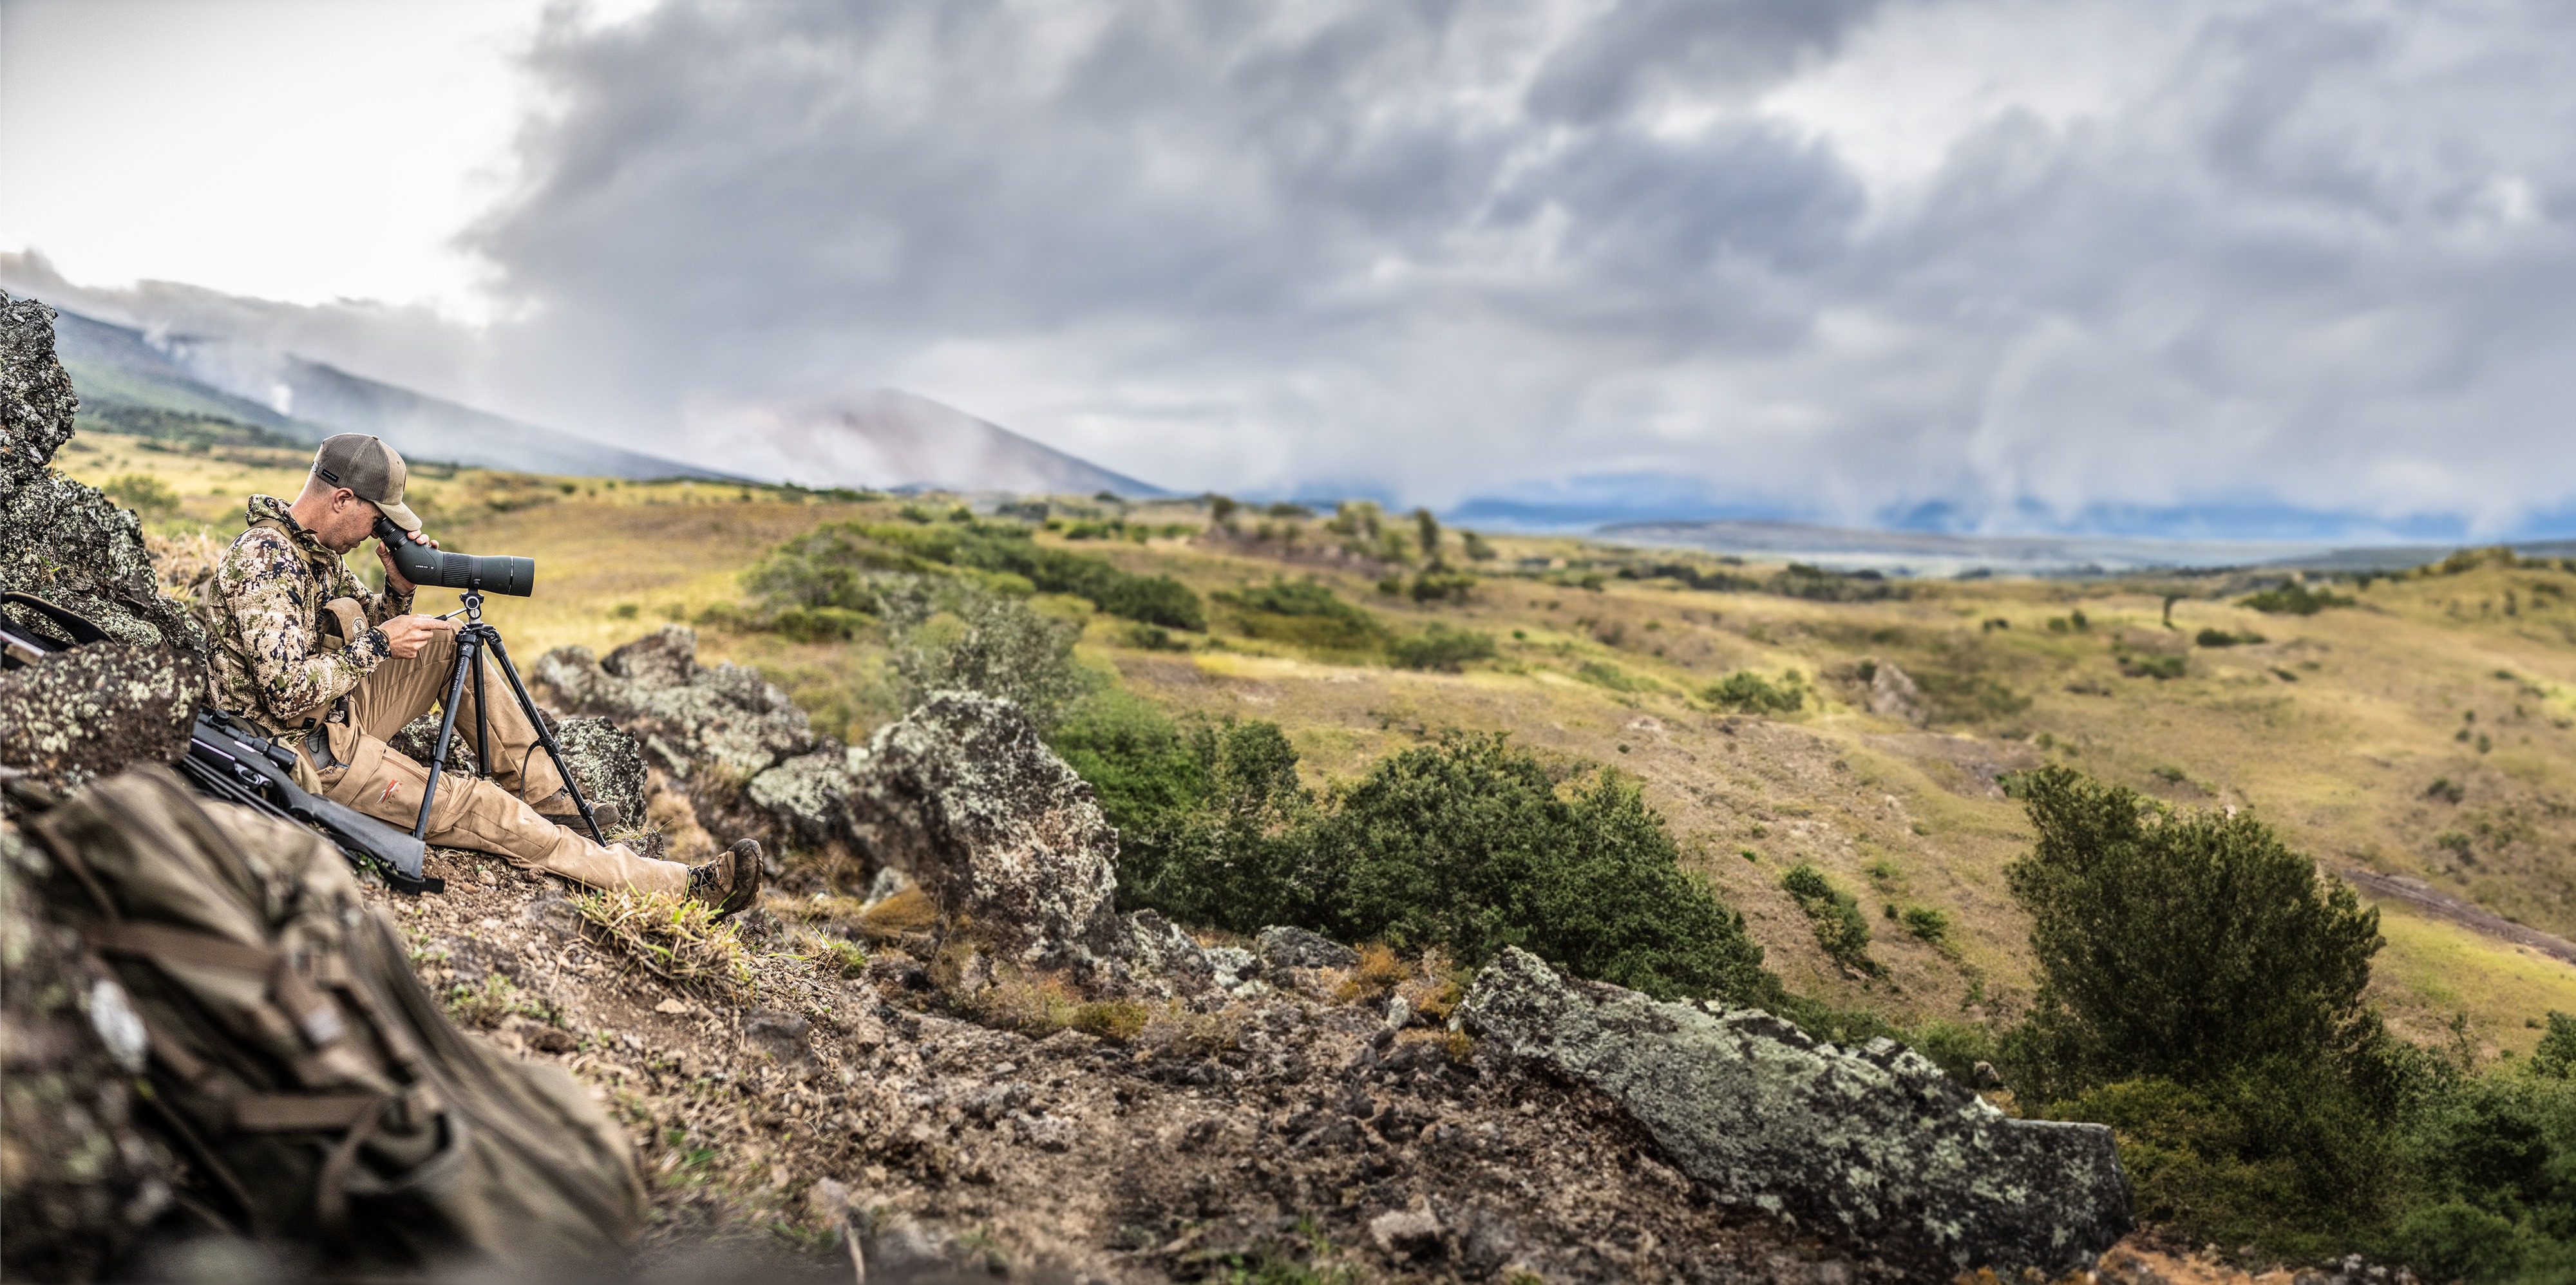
point(1282, 947)
point(1873, 1146)
point(807, 798)
point(75, 716)
point(961, 795)
point(1893, 694)
point(60, 540)
point(693, 720)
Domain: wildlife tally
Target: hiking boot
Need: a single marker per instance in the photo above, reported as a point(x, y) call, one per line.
point(731, 882)
point(559, 808)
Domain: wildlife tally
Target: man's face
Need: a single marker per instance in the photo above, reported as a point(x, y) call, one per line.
point(348, 522)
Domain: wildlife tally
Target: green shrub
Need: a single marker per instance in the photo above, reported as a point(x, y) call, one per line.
point(2182, 944)
point(819, 624)
point(148, 496)
point(1468, 845)
point(1442, 586)
point(1841, 929)
point(1443, 648)
point(840, 564)
point(1303, 613)
point(1926, 924)
point(1748, 692)
point(2222, 638)
point(963, 637)
point(2291, 598)
point(2148, 664)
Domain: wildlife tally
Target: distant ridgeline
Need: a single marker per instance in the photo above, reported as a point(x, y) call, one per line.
point(196, 392)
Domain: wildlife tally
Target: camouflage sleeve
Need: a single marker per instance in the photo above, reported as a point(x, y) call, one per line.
point(263, 585)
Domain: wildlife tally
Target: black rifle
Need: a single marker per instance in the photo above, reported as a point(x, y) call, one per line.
point(236, 762)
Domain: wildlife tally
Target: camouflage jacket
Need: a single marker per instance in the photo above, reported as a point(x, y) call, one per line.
point(266, 609)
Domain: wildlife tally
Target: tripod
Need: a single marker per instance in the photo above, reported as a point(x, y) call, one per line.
point(471, 638)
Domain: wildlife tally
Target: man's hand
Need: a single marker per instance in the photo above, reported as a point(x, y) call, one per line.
point(394, 578)
point(406, 635)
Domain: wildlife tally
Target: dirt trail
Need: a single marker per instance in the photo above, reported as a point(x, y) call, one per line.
point(2415, 894)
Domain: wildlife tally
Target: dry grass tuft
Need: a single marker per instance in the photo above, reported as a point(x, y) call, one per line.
point(1378, 973)
point(673, 938)
point(908, 911)
point(1039, 1005)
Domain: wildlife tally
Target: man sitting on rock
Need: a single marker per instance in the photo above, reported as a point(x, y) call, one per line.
point(304, 650)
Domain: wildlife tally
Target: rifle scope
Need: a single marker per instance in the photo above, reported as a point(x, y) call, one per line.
point(436, 568)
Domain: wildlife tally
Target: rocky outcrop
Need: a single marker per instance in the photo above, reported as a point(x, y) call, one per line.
point(697, 721)
point(60, 540)
point(1873, 1146)
point(77, 715)
point(962, 796)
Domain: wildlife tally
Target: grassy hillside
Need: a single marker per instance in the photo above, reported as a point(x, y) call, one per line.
point(2427, 729)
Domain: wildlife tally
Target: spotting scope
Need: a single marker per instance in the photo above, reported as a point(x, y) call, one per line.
point(436, 568)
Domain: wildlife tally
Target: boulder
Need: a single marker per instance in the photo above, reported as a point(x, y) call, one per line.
point(962, 796)
point(713, 724)
point(806, 799)
point(74, 716)
point(1872, 1146)
point(60, 540)
point(606, 763)
point(1894, 694)
point(1283, 947)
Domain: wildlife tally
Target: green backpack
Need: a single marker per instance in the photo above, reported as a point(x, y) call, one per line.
point(319, 1093)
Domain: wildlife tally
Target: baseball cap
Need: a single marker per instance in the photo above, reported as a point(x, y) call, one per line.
point(370, 469)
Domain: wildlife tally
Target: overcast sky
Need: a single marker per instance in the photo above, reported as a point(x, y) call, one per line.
point(2135, 264)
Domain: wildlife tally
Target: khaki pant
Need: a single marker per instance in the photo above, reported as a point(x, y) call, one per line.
point(471, 812)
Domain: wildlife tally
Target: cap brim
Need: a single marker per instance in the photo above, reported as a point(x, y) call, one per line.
point(401, 514)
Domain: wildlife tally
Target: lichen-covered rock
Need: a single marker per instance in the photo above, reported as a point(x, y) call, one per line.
point(74, 716)
point(606, 763)
point(60, 540)
point(720, 723)
point(962, 795)
point(806, 798)
point(1873, 1146)
point(78, 1183)
point(1279, 946)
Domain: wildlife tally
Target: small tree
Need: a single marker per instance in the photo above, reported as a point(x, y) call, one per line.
point(958, 636)
point(2188, 945)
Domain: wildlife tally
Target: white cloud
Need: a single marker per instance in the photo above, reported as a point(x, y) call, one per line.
point(1996, 261)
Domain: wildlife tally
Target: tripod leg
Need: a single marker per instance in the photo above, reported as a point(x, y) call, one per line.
point(465, 648)
point(482, 727)
point(545, 737)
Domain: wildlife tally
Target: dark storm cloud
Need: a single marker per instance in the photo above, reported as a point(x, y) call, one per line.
point(2308, 254)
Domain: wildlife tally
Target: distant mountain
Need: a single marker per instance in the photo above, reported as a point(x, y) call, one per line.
point(120, 371)
point(1935, 553)
point(892, 439)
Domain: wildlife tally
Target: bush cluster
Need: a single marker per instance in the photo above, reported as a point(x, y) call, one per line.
point(841, 564)
point(1304, 613)
point(2291, 598)
point(1750, 693)
point(1442, 648)
point(1469, 845)
point(2202, 992)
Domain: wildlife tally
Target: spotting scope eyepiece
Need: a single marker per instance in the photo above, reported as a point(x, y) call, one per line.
point(438, 569)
